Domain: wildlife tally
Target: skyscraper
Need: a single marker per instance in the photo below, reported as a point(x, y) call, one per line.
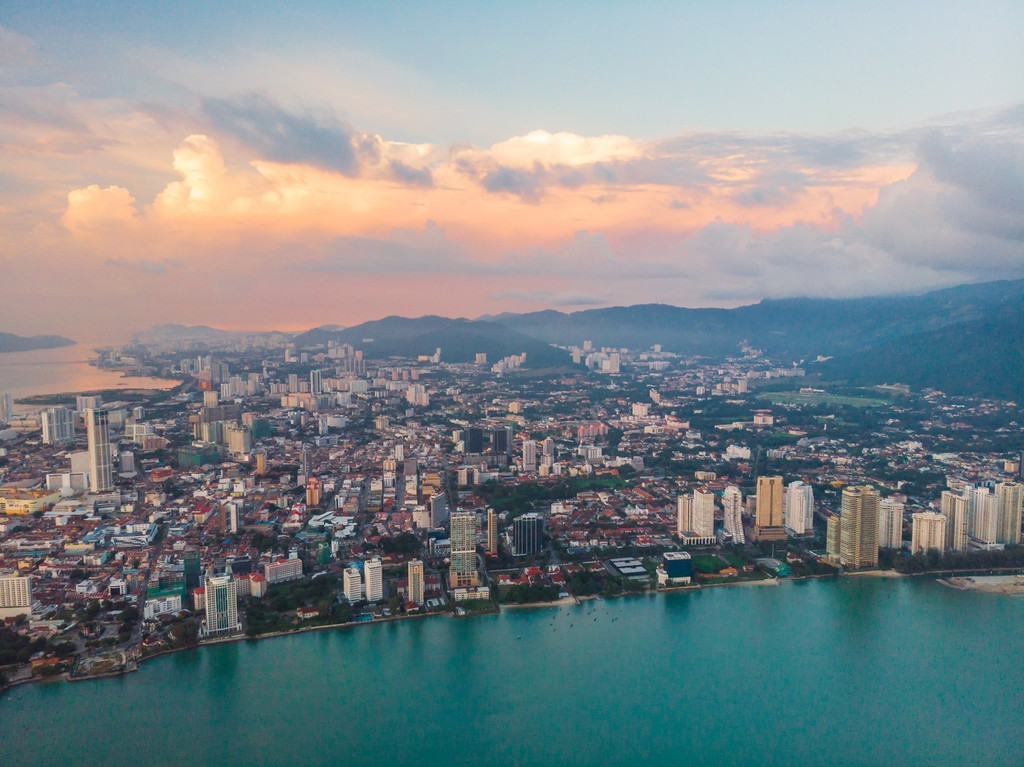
point(890, 524)
point(858, 532)
point(101, 469)
point(684, 510)
point(463, 538)
point(954, 509)
point(492, 532)
point(6, 407)
point(1008, 511)
point(58, 425)
point(221, 600)
point(799, 503)
point(770, 517)
point(352, 580)
point(415, 593)
point(529, 455)
point(374, 579)
point(928, 531)
point(702, 515)
point(983, 513)
point(732, 505)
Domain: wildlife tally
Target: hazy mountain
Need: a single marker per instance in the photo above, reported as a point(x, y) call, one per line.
point(460, 340)
point(795, 328)
point(12, 343)
point(978, 357)
point(204, 336)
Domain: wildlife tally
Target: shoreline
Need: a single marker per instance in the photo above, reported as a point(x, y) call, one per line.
point(557, 604)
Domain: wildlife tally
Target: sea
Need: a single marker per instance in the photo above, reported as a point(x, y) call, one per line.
point(848, 671)
point(67, 369)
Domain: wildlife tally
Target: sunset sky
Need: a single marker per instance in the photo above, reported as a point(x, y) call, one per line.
point(257, 166)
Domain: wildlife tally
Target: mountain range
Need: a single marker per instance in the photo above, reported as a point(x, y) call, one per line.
point(967, 339)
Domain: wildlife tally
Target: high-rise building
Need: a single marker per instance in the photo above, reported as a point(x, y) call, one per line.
point(373, 577)
point(58, 425)
point(732, 505)
point(684, 512)
point(193, 573)
point(101, 468)
point(316, 381)
point(221, 600)
point(529, 455)
point(983, 513)
point(416, 581)
point(954, 509)
point(352, 581)
point(6, 407)
point(799, 504)
point(463, 541)
point(928, 531)
point(833, 528)
point(770, 522)
point(474, 440)
point(527, 534)
point(239, 439)
point(312, 491)
point(84, 402)
point(492, 532)
point(15, 595)
point(501, 441)
point(1009, 496)
point(890, 524)
point(858, 532)
point(702, 515)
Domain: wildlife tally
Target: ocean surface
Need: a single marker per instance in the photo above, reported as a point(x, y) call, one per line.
point(857, 671)
point(67, 369)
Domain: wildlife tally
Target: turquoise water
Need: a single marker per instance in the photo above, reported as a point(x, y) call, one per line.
point(838, 672)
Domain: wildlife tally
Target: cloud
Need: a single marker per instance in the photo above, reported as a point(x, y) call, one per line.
point(257, 120)
point(95, 207)
point(410, 175)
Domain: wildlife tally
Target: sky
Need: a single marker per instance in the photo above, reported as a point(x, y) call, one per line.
point(259, 166)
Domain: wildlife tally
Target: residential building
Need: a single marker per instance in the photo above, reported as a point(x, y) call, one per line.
point(955, 509)
point(858, 533)
point(702, 515)
point(373, 580)
point(492, 532)
point(928, 531)
point(15, 595)
point(282, 570)
point(58, 425)
point(770, 521)
point(352, 581)
point(1008, 512)
point(799, 504)
point(732, 505)
point(463, 552)
point(890, 524)
point(415, 571)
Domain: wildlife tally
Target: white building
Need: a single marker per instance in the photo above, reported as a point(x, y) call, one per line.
point(15, 595)
point(221, 603)
point(702, 514)
point(732, 504)
point(58, 425)
point(353, 583)
point(928, 532)
point(890, 524)
point(799, 508)
point(374, 579)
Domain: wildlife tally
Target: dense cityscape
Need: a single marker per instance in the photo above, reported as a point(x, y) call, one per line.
point(278, 487)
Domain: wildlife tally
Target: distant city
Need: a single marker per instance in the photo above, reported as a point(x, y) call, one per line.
point(282, 486)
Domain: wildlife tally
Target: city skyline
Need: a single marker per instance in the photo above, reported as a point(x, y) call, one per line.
point(468, 160)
